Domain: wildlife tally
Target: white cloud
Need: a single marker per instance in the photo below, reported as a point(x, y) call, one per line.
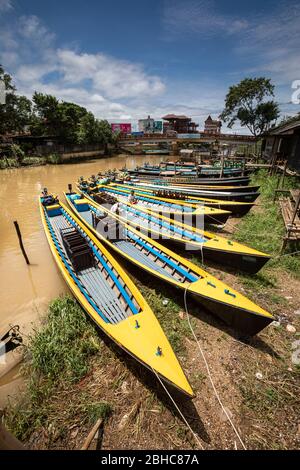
point(272, 41)
point(5, 5)
point(106, 85)
point(31, 28)
point(117, 89)
point(199, 16)
point(115, 78)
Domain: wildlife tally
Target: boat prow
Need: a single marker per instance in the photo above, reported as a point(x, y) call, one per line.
point(233, 308)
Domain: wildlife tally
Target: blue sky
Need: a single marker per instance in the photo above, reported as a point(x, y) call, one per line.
point(124, 60)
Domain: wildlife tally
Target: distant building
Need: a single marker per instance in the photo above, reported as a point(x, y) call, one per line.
point(283, 143)
point(180, 124)
point(150, 126)
point(212, 126)
point(124, 128)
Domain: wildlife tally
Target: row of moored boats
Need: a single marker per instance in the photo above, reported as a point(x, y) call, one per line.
point(151, 225)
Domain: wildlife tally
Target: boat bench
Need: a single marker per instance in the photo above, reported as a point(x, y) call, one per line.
point(78, 249)
point(105, 199)
point(170, 195)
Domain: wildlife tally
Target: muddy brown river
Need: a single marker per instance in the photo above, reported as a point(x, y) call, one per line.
point(25, 291)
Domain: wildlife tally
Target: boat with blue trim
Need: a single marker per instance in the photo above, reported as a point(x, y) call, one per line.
point(157, 260)
point(209, 245)
point(237, 194)
point(190, 214)
point(181, 197)
point(191, 180)
point(107, 293)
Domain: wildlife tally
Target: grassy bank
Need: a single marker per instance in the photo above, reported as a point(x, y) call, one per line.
point(263, 228)
point(75, 375)
point(57, 357)
point(7, 163)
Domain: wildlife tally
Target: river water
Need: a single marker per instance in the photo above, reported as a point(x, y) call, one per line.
point(25, 291)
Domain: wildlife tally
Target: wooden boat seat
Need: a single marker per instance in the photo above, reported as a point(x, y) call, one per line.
point(169, 195)
point(53, 207)
point(78, 249)
point(105, 198)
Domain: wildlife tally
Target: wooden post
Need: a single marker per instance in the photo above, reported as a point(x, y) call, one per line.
point(8, 441)
point(297, 205)
point(243, 167)
point(222, 167)
point(21, 242)
point(91, 435)
point(284, 173)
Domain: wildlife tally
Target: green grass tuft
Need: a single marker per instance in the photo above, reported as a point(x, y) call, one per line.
point(97, 410)
point(264, 229)
point(64, 344)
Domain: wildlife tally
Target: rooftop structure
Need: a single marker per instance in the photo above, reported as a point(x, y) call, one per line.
point(212, 126)
point(150, 126)
point(180, 124)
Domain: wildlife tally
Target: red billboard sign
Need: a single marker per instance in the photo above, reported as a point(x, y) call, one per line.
point(125, 128)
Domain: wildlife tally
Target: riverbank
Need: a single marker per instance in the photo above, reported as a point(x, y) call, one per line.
point(75, 375)
point(27, 290)
point(53, 159)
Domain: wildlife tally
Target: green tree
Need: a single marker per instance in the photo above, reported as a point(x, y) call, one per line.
point(247, 102)
point(54, 118)
point(87, 133)
point(70, 115)
point(94, 131)
point(46, 115)
point(16, 113)
point(104, 132)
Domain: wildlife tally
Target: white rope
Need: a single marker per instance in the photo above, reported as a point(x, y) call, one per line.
point(202, 255)
point(179, 411)
point(209, 373)
point(230, 225)
point(287, 254)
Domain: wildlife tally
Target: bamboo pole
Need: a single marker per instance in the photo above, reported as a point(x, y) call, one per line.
point(91, 435)
point(21, 242)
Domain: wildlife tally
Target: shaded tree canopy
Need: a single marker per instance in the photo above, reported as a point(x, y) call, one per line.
point(247, 103)
point(47, 116)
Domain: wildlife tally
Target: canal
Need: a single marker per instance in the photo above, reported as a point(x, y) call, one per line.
point(25, 291)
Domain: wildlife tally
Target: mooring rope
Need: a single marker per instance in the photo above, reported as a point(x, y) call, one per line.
point(287, 254)
point(202, 254)
point(178, 409)
point(208, 371)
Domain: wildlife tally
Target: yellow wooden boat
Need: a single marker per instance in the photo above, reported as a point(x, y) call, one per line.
point(107, 293)
point(190, 214)
point(182, 197)
point(150, 256)
point(209, 245)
